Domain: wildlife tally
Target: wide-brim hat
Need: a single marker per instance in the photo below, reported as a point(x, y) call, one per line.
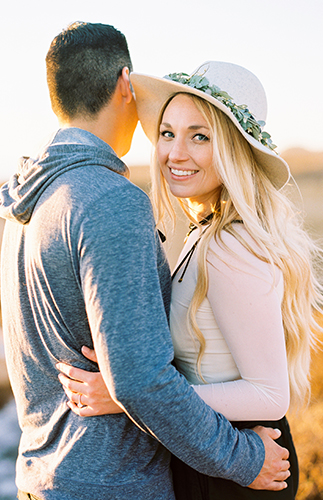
point(243, 87)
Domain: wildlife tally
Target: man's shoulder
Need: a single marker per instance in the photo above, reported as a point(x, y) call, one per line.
point(96, 181)
point(97, 193)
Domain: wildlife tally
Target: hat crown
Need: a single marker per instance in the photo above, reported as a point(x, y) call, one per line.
point(242, 85)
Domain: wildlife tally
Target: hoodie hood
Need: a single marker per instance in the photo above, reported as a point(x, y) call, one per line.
point(70, 148)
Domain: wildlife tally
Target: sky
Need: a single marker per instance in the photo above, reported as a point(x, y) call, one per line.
point(281, 41)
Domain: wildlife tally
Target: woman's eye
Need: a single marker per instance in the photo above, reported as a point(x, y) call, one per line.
point(201, 137)
point(167, 134)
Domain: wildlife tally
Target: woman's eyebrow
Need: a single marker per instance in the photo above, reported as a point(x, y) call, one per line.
point(190, 127)
point(195, 127)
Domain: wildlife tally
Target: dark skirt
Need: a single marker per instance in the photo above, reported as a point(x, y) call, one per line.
point(192, 485)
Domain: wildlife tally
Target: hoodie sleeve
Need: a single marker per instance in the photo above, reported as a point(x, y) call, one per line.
point(119, 276)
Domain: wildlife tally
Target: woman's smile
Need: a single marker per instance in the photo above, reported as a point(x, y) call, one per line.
point(182, 173)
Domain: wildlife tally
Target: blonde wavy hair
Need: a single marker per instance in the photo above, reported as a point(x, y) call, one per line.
point(273, 222)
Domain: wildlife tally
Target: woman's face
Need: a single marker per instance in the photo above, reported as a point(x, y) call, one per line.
point(185, 154)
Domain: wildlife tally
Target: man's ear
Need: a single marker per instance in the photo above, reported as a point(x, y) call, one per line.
point(125, 85)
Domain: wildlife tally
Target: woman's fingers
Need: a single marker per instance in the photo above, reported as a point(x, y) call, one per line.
point(76, 398)
point(78, 401)
point(72, 385)
point(85, 411)
point(89, 353)
point(75, 373)
point(87, 393)
point(80, 405)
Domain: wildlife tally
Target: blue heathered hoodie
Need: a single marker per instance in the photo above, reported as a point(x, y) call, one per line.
point(82, 265)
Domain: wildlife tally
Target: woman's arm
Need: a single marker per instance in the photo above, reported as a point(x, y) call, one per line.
point(247, 309)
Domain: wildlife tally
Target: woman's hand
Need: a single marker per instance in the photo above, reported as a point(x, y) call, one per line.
point(87, 393)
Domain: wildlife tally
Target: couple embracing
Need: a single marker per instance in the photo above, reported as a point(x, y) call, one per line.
point(130, 382)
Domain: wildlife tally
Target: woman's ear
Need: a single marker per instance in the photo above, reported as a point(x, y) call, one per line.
point(125, 85)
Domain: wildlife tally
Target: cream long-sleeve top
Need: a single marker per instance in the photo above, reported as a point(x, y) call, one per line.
point(244, 364)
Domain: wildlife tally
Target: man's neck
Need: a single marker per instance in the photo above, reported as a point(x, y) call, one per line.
point(97, 126)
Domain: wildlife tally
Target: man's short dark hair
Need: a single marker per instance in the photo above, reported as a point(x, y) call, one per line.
point(83, 64)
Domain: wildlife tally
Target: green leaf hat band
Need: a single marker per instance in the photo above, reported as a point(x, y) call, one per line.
point(241, 112)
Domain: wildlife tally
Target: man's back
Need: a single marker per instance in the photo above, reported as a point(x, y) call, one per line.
point(59, 451)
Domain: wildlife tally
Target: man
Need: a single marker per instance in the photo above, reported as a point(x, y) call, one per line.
point(82, 265)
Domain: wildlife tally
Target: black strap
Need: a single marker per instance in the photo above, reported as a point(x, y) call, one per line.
point(161, 236)
point(187, 257)
point(189, 254)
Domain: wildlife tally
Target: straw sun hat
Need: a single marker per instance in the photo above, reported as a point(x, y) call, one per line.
point(231, 88)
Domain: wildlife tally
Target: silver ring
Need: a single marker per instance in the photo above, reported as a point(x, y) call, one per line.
point(79, 404)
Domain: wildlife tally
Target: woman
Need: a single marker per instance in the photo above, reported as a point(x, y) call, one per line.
point(243, 291)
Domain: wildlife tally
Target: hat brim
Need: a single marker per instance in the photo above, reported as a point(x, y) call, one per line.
point(152, 93)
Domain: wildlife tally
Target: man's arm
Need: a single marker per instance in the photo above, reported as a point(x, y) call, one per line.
point(119, 276)
point(97, 401)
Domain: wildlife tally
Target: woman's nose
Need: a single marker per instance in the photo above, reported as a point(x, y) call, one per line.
point(178, 151)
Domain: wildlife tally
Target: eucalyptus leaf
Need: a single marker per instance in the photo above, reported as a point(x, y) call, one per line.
point(255, 133)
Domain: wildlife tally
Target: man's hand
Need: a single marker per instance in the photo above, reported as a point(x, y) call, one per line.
point(274, 471)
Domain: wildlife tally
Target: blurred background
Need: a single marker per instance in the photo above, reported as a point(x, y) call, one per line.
point(280, 41)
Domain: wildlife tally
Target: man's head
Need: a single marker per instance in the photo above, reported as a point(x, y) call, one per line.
point(84, 63)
